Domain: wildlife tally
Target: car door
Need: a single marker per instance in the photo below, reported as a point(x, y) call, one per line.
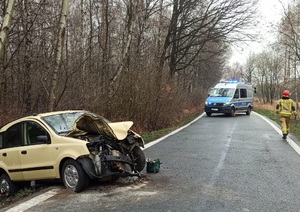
point(11, 142)
point(36, 155)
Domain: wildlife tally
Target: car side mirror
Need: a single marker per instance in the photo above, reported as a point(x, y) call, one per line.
point(236, 96)
point(43, 139)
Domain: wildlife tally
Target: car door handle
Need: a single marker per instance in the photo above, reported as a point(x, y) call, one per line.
point(24, 152)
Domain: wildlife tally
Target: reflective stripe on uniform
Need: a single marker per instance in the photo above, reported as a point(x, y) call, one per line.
point(285, 107)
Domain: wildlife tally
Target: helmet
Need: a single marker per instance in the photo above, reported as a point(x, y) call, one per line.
point(286, 93)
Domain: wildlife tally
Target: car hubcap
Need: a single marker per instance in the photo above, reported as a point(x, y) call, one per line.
point(4, 189)
point(71, 176)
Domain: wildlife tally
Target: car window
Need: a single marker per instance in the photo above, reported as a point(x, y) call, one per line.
point(13, 136)
point(32, 132)
point(62, 123)
point(1, 140)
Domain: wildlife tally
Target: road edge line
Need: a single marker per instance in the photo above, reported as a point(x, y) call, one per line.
point(289, 140)
point(34, 201)
point(172, 133)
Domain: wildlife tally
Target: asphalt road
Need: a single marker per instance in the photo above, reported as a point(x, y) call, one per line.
point(217, 163)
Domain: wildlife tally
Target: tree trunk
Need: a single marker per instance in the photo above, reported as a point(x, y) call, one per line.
point(3, 37)
point(59, 53)
point(131, 15)
point(6, 23)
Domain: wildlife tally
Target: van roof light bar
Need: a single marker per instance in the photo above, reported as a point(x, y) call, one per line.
point(229, 81)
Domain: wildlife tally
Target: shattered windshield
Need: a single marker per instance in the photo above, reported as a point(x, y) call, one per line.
point(62, 123)
point(222, 92)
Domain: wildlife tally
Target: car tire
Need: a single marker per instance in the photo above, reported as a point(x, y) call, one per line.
point(7, 187)
point(139, 158)
point(208, 114)
point(248, 111)
point(73, 176)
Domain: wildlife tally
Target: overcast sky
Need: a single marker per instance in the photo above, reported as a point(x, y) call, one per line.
point(270, 13)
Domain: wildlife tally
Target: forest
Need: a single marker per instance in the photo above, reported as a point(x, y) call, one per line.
point(276, 67)
point(149, 61)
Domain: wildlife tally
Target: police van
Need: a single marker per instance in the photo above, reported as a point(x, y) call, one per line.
point(230, 97)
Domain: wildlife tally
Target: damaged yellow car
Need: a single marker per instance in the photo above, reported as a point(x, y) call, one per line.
point(74, 146)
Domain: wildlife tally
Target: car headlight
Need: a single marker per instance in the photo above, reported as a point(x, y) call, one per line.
point(226, 103)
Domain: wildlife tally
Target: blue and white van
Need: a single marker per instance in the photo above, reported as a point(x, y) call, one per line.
point(230, 97)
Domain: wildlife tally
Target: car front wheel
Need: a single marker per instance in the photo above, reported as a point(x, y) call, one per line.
point(7, 187)
point(139, 158)
point(74, 177)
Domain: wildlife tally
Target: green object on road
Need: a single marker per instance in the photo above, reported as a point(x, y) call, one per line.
point(153, 166)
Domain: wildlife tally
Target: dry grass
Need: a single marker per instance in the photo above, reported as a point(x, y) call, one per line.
point(260, 105)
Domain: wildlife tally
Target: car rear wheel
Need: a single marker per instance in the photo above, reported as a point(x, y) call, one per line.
point(138, 158)
point(7, 187)
point(74, 177)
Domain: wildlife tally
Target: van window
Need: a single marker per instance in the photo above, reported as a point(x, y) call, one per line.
point(222, 92)
point(243, 92)
point(236, 94)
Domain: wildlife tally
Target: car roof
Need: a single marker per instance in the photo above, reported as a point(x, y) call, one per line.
point(59, 112)
point(39, 116)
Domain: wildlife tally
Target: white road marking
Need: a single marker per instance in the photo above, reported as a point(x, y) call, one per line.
point(223, 156)
point(34, 201)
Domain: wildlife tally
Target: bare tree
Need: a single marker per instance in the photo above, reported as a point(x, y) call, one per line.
point(59, 53)
point(6, 23)
point(131, 16)
point(250, 67)
point(289, 31)
point(3, 37)
point(149, 60)
point(195, 23)
point(267, 74)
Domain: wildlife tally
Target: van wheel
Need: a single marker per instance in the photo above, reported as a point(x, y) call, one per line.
point(232, 114)
point(248, 111)
point(208, 114)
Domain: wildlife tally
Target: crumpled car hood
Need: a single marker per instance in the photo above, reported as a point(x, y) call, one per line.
point(88, 123)
point(120, 129)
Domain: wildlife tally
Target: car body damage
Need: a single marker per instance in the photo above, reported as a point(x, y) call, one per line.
point(76, 146)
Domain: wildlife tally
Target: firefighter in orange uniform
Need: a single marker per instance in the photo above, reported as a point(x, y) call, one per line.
point(285, 108)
